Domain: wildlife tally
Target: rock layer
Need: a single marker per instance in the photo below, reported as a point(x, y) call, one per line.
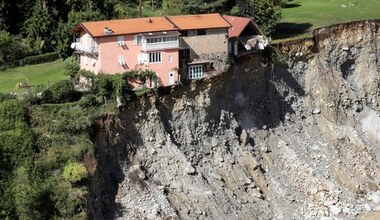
point(298, 139)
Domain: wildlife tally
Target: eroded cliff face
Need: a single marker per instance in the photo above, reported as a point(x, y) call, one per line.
point(299, 139)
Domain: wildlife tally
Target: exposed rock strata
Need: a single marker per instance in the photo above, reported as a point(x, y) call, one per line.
point(296, 140)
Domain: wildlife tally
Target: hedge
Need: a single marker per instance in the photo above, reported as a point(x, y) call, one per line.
point(43, 58)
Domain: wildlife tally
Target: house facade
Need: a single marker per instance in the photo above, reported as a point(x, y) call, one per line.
point(117, 46)
point(203, 44)
point(174, 47)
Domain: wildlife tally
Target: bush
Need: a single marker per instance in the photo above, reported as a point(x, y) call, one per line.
point(4, 97)
point(72, 66)
point(74, 172)
point(43, 58)
point(88, 101)
point(60, 92)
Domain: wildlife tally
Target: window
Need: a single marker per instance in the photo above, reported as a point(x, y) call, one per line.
point(137, 40)
point(141, 58)
point(201, 32)
point(120, 41)
point(184, 54)
point(121, 60)
point(155, 57)
point(184, 33)
point(195, 72)
point(156, 40)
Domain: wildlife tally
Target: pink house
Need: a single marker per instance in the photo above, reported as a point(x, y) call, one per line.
point(174, 47)
point(116, 46)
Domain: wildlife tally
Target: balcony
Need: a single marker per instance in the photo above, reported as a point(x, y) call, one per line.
point(159, 46)
point(84, 48)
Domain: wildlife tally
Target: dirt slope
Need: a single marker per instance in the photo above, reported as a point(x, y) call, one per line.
point(299, 139)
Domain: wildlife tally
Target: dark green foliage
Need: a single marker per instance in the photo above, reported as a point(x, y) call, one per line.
point(109, 86)
point(64, 39)
point(141, 76)
point(11, 49)
point(43, 58)
point(266, 13)
point(88, 101)
point(72, 66)
point(4, 97)
point(60, 92)
point(16, 149)
point(38, 28)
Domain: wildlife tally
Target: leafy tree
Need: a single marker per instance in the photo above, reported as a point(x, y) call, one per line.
point(72, 66)
point(207, 6)
point(39, 28)
point(266, 13)
point(11, 48)
point(171, 7)
point(60, 92)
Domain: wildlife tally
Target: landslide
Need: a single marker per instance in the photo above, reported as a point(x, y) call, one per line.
point(294, 138)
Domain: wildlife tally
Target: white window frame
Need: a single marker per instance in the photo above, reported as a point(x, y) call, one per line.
point(120, 41)
point(142, 58)
point(155, 57)
point(121, 60)
point(165, 39)
point(196, 72)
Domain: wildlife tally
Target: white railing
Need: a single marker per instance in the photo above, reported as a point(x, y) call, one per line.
point(160, 46)
point(80, 47)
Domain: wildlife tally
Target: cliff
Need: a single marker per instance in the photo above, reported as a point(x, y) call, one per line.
point(295, 138)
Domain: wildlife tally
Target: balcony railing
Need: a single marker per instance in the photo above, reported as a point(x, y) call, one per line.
point(87, 49)
point(159, 46)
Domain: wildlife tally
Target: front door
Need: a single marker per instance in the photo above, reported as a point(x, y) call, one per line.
point(171, 79)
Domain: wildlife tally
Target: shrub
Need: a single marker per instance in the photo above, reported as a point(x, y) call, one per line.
point(4, 97)
point(72, 66)
point(74, 172)
point(43, 58)
point(109, 86)
point(88, 101)
point(60, 92)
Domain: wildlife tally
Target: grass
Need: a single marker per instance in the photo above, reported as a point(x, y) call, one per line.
point(301, 16)
point(34, 74)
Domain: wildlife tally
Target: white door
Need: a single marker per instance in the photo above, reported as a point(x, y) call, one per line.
point(171, 78)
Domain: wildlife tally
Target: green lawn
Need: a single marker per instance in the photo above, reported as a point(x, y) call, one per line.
point(301, 16)
point(34, 74)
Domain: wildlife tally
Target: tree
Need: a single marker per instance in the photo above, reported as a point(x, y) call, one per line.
point(171, 7)
point(39, 28)
point(10, 49)
point(207, 6)
point(266, 13)
point(72, 66)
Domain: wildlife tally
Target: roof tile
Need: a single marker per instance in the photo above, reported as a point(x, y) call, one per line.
point(199, 21)
point(237, 25)
point(129, 26)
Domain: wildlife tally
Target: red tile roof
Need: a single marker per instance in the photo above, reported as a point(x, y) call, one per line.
point(200, 21)
point(127, 26)
point(154, 24)
point(237, 25)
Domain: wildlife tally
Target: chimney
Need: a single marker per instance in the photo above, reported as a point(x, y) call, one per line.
point(107, 31)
